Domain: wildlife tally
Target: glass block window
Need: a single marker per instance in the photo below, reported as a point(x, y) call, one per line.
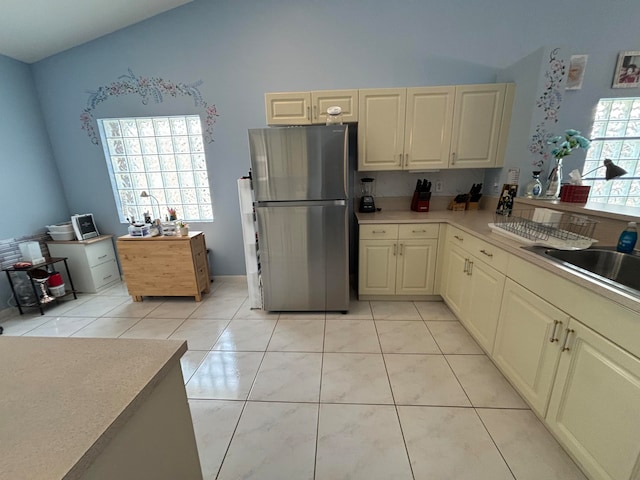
point(615, 135)
point(163, 156)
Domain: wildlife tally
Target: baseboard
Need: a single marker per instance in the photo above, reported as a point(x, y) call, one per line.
point(229, 278)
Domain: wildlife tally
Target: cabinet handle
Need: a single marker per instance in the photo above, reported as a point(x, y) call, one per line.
point(102, 256)
point(553, 334)
point(486, 253)
point(406, 159)
point(568, 332)
point(401, 247)
point(466, 265)
point(418, 231)
point(470, 272)
point(458, 238)
point(453, 158)
point(309, 113)
point(378, 231)
point(315, 111)
point(395, 249)
point(107, 277)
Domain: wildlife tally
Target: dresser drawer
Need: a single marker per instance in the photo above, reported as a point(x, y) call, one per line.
point(100, 252)
point(383, 231)
point(105, 273)
point(418, 230)
point(491, 255)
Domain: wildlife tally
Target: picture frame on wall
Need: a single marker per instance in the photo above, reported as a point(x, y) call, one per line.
point(577, 66)
point(627, 73)
point(505, 202)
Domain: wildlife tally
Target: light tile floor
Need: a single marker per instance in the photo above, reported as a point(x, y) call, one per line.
point(391, 390)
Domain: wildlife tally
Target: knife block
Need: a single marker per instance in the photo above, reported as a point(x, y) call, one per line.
point(420, 201)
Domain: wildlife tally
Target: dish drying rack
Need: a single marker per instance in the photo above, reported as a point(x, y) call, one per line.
point(569, 232)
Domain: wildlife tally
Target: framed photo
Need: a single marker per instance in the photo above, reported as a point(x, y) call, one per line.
point(577, 66)
point(627, 74)
point(505, 202)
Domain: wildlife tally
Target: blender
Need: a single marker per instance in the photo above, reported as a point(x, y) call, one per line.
point(367, 205)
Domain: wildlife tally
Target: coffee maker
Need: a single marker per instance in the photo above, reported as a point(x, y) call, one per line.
point(367, 205)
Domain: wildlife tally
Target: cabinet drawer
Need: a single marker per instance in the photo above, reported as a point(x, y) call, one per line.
point(457, 236)
point(383, 231)
point(100, 252)
point(418, 230)
point(105, 273)
point(487, 253)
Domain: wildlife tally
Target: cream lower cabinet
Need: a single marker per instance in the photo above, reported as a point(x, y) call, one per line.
point(397, 259)
point(473, 288)
point(527, 346)
point(595, 404)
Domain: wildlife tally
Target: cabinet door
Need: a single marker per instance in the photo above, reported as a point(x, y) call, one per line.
point(347, 100)
point(427, 131)
point(526, 346)
point(416, 266)
point(455, 287)
point(381, 128)
point(594, 406)
point(290, 108)
point(377, 267)
point(476, 125)
point(485, 295)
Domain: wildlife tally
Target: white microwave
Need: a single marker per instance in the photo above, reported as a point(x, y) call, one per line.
point(84, 226)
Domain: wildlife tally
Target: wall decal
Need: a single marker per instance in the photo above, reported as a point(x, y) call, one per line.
point(548, 105)
point(149, 88)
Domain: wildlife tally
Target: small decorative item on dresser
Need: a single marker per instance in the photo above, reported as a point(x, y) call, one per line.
point(172, 213)
point(183, 228)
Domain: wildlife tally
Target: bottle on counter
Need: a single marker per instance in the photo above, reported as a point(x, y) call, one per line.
point(534, 188)
point(628, 238)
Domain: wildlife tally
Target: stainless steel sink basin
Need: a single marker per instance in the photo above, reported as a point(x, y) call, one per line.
point(620, 270)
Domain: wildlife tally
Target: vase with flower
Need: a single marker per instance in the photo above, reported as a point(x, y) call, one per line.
point(172, 214)
point(183, 228)
point(563, 146)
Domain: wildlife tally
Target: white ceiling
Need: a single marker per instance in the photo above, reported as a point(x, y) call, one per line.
point(31, 30)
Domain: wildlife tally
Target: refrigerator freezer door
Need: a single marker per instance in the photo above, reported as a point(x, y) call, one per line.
point(304, 257)
point(299, 163)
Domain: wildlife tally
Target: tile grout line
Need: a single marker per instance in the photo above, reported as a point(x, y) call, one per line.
point(475, 410)
point(315, 456)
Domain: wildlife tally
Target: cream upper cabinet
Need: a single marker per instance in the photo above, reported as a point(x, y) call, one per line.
point(480, 125)
point(397, 259)
point(381, 128)
point(309, 108)
point(527, 346)
point(595, 405)
point(427, 131)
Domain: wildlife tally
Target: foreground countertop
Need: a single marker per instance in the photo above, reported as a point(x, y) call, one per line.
point(476, 222)
point(63, 399)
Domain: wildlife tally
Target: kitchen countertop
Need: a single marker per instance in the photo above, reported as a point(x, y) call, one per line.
point(476, 223)
point(63, 399)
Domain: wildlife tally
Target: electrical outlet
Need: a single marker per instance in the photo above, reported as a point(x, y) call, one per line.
point(438, 186)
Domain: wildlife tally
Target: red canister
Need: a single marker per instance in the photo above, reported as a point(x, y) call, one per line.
point(55, 280)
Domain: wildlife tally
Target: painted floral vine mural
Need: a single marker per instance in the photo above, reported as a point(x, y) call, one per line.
point(150, 89)
point(549, 103)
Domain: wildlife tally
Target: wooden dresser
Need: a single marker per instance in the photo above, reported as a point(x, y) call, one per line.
point(164, 266)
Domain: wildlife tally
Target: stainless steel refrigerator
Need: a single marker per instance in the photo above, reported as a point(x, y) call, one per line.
point(300, 187)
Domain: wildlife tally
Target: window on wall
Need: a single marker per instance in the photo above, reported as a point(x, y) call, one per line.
point(615, 135)
point(162, 156)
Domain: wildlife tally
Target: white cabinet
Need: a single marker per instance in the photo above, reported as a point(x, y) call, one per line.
point(92, 263)
point(482, 114)
point(397, 259)
point(527, 344)
point(309, 108)
point(463, 126)
point(595, 405)
point(474, 283)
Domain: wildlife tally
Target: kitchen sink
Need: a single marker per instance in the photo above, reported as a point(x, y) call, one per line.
point(604, 264)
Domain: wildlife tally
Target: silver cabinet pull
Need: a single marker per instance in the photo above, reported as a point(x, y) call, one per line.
point(395, 249)
point(466, 265)
point(418, 231)
point(553, 333)
point(458, 238)
point(470, 272)
point(379, 231)
point(406, 159)
point(107, 277)
point(486, 253)
point(315, 111)
point(102, 256)
point(401, 247)
point(568, 332)
point(453, 158)
point(309, 113)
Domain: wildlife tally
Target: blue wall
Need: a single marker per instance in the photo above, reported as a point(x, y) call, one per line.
point(243, 49)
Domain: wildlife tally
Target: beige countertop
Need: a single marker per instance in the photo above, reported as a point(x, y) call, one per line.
point(63, 399)
point(476, 223)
